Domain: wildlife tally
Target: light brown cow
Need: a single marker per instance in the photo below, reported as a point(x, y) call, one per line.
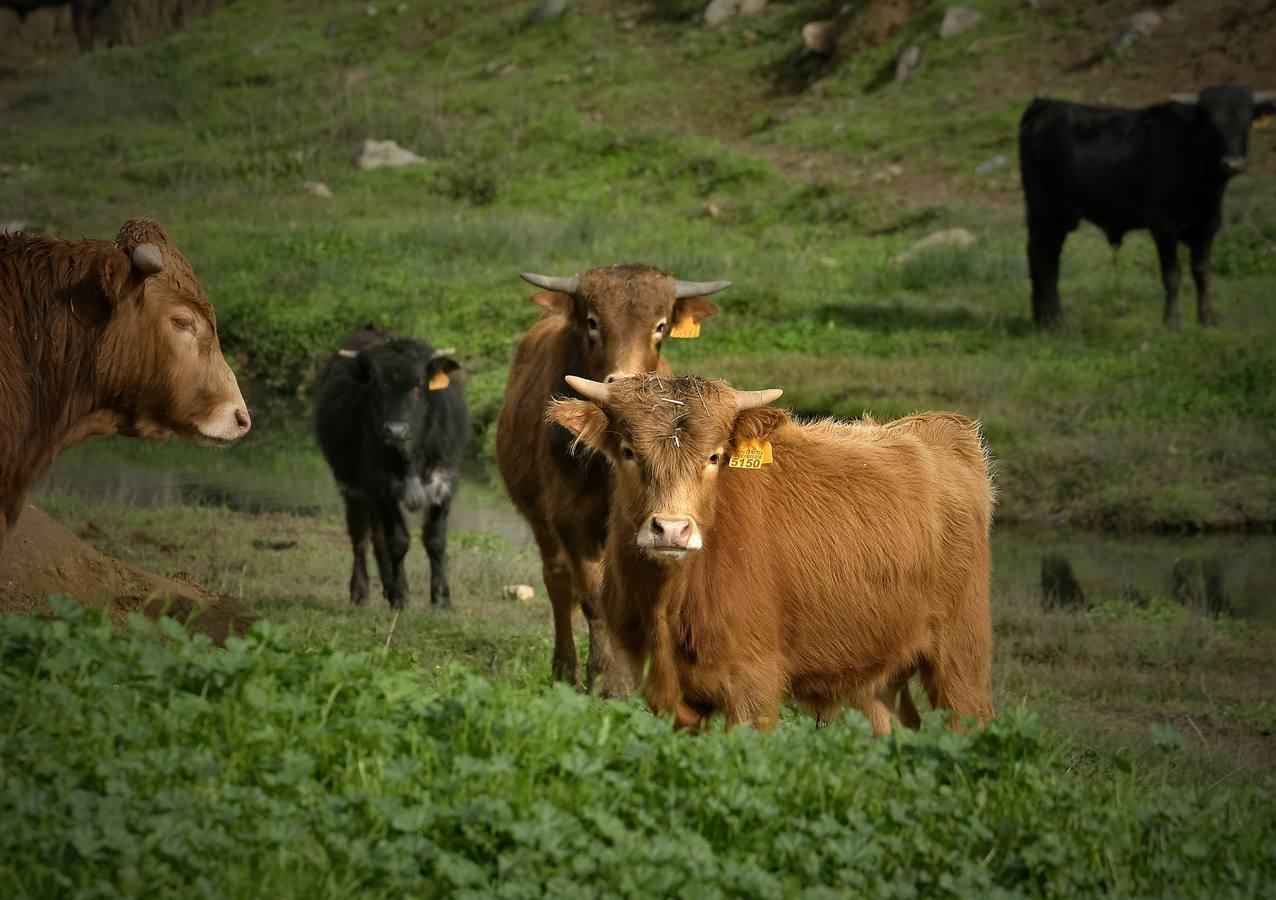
point(856, 557)
point(600, 324)
point(101, 337)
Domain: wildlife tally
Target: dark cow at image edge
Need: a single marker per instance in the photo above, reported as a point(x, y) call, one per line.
point(1162, 167)
point(392, 424)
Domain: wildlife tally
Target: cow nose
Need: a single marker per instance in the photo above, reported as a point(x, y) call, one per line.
point(1234, 163)
point(396, 431)
point(671, 532)
point(242, 419)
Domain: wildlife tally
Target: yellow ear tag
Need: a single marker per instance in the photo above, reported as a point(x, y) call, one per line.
point(438, 381)
point(1262, 121)
point(686, 327)
point(751, 454)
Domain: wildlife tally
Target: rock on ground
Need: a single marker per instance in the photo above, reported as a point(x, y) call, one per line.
point(522, 592)
point(819, 37)
point(959, 20)
point(317, 189)
point(988, 166)
point(949, 237)
point(374, 154)
point(1139, 25)
point(720, 11)
point(908, 63)
point(548, 9)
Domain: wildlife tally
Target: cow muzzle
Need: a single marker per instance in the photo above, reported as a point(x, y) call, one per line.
point(1233, 165)
point(396, 432)
point(669, 537)
point(228, 423)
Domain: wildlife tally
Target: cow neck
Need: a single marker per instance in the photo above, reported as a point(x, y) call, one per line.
point(61, 321)
point(659, 595)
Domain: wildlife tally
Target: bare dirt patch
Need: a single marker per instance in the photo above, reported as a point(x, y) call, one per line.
point(42, 558)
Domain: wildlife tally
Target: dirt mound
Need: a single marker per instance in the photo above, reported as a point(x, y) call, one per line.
point(40, 558)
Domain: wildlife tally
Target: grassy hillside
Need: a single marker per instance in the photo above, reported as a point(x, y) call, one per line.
point(625, 131)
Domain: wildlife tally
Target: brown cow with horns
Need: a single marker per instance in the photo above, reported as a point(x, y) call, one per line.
point(102, 337)
point(857, 555)
point(603, 323)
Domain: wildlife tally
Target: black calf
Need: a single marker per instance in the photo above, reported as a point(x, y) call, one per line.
point(392, 425)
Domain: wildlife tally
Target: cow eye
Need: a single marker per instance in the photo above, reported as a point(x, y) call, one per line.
point(627, 452)
point(660, 328)
point(591, 323)
point(713, 460)
point(184, 323)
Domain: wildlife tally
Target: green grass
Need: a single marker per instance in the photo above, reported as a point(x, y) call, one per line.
point(1113, 423)
point(278, 769)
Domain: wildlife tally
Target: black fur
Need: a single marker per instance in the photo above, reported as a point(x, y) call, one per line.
point(386, 382)
point(1160, 167)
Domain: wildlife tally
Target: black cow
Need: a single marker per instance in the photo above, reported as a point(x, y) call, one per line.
point(1162, 167)
point(392, 426)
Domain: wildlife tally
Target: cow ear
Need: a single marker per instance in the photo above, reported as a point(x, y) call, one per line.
point(445, 364)
point(115, 271)
point(554, 302)
point(362, 371)
point(758, 424)
point(587, 423)
point(694, 309)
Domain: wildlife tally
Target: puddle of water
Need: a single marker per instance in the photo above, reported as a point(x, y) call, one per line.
point(296, 480)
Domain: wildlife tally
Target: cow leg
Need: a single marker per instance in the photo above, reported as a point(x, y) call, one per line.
point(359, 525)
point(1045, 245)
point(557, 574)
point(390, 541)
point(604, 673)
point(1167, 248)
point(1201, 275)
point(957, 674)
point(435, 540)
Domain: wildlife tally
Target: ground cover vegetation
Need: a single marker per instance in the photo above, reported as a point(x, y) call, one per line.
point(134, 763)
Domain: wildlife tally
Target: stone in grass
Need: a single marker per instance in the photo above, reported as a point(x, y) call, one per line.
point(908, 63)
point(959, 20)
point(548, 9)
point(959, 238)
point(317, 189)
point(523, 592)
point(373, 154)
point(1139, 25)
point(988, 166)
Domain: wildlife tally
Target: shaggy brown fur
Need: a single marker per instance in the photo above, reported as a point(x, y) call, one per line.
point(564, 497)
point(857, 557)
point(92, 344)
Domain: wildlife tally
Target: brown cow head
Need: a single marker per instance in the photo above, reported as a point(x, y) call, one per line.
point(160, 369)
point(622, 314)
point(667, 440)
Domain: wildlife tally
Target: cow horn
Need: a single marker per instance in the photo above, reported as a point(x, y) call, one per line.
point(148, 259)
point(564, 284)
point(439, 354)
point(699, 288)
point(1189, 99)
point(753, 399)
point(594, 390)
point(1265, 96)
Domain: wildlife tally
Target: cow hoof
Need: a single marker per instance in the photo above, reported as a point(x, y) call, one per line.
point(566, 671)
point(359, 599)
point(1209, 321)
point(442, 603)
